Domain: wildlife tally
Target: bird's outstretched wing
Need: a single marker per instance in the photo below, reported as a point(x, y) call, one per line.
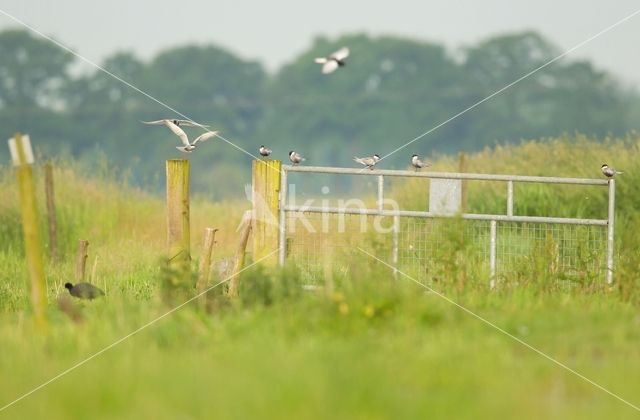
point(178, 132)
point(329, 67)
point(189, 123)
point(341, 54)
point(205, 136)
point(158, 122)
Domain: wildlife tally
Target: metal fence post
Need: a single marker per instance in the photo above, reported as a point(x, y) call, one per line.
point(509, 198)
point(380, 192)
point(610, 229)
point(394, 256)
point(492, 253)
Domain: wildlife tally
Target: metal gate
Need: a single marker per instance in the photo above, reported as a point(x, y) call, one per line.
point(502, 242)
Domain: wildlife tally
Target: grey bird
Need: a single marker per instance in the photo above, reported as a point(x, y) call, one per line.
point(84, 290)
point(368, 162)
point(295, 158)
point(335, 60)
point(174, 126)
point(264, 151)
point(417, 163)
point(609, 172)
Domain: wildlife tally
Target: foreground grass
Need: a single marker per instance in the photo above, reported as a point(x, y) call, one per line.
point(364, 346)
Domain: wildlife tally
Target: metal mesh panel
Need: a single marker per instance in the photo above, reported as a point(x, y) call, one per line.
point(431, 249)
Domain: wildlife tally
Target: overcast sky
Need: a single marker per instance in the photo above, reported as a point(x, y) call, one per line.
point(274, 31)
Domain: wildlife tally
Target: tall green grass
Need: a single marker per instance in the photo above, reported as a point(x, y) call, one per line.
point(364, 344)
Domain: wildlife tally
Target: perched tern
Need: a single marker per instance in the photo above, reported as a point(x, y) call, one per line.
point(417, 163)
point(609, 172)
point(175, 128)
point(264, 151)
point(369, 162)
point(295, 158)
point(335, 60)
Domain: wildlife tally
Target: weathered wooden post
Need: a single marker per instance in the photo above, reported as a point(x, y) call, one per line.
point(238, 262)
point(178, 230)
point(81, 260)
point(22, 157)
point(205, 262)
point(266, 220)
point(51, 211)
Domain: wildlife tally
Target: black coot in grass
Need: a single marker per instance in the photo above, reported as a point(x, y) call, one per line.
point(84, 290)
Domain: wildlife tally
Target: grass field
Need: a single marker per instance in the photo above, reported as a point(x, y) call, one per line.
point(367, 347)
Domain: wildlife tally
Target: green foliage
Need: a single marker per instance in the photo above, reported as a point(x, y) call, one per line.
point(391, 90)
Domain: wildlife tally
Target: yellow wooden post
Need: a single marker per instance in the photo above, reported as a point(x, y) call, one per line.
point(22, 156)
point(266, 220)
point(178, 236)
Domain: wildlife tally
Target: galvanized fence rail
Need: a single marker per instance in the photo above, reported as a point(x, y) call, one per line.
point(502, 222)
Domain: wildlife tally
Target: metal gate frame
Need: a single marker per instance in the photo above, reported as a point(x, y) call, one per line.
point(284, 208)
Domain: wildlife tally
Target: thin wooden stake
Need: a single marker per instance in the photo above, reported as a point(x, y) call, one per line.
point(205, 262)
point(240, 254)
point(81, 260)
point(51, 212)
point(22, 157)
point(178, 228)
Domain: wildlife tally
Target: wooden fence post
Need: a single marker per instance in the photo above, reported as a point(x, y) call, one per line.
point(51, 211)
point(178, 230)
point(238, 263)
point(81, 260)
point(22, 157)
point(265, 197)
point(205, 262)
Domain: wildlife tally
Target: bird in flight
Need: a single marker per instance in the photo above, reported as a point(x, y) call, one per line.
point(608, 171)
point(174, 126)
point(185, 123)
point(295, 158)
point(368, 162)
point(335, 60)
point(417, 163)
point(264, 151)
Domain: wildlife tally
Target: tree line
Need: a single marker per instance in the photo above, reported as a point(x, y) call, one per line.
point(391, 91)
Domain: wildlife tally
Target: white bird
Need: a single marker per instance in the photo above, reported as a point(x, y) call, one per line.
point(174, 127)
point(418, 163)
point(295, 158)
point(186, 123)
point(368, 162)
point(264, 151)
point(335, 60)
point(609, 172)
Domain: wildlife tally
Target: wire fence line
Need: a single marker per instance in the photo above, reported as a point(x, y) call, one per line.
point(443, 238)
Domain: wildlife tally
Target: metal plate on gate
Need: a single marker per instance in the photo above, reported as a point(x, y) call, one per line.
point(445, 196)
